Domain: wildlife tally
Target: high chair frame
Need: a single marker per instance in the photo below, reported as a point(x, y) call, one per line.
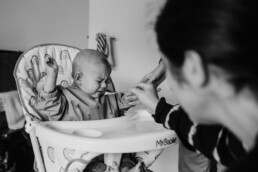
point(29, 75)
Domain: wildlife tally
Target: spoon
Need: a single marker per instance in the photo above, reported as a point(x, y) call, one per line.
point(117, 92)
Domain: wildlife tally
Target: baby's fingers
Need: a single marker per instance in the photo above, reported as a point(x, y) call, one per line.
point(50, 60)
point(47, 57)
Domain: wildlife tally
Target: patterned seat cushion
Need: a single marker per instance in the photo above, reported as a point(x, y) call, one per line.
point(30, 72)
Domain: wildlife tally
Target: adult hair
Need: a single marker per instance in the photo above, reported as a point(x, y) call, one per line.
point(88, 57)
point(223, 32)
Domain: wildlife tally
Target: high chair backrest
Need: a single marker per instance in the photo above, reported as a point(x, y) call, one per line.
point(30, 73)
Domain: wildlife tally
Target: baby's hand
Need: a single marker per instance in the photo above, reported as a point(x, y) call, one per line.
point(130, 99)
point(51, 65)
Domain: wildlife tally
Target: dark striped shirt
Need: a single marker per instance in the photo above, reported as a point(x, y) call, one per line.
point(214, 141)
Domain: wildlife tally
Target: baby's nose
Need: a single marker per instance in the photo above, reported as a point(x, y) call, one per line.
point(103, 84)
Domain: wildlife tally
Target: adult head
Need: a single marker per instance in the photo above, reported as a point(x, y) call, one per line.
point(209, 49)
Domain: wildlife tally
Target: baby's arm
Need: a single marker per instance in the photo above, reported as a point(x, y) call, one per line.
point(51, 106)
point(50, 103)
point(52, 71)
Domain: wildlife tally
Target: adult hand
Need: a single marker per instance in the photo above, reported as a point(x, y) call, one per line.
point(155, 77)
point(147, 95)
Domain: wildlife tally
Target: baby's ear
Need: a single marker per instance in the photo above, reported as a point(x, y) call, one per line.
point(78, 78)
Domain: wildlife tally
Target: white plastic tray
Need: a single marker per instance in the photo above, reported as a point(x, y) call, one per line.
point(132, 133)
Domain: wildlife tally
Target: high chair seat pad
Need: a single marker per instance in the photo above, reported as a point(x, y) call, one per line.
point(132, 133)
point(30, 72)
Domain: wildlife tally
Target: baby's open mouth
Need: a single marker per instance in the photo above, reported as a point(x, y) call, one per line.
point(98, 94)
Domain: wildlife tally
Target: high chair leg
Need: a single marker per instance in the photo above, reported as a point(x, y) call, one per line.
point(37, 153)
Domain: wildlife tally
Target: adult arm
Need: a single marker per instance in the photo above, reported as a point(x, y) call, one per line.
point(156, 76)
point(213, 141)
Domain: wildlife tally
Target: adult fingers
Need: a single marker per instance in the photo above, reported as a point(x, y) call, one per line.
point(134, 103)
point(140, 86)
point(136, 91)
point(159, 80)
point(144, 79)
point(130, 98)
point(128, 93)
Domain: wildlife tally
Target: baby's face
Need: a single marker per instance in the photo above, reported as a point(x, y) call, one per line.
point(95, 79)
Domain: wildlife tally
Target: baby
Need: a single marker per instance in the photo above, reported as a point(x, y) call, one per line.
point(85, 99)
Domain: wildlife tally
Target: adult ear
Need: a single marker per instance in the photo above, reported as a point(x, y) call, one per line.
point(78, 78)
point(192, 68)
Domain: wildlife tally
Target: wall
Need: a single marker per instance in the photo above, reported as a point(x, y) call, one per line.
point(28, 22)
point(135, 49)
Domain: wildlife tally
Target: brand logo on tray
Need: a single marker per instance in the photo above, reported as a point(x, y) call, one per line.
point(165, 142)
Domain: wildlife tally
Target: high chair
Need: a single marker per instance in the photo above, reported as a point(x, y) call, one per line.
point(69, 146)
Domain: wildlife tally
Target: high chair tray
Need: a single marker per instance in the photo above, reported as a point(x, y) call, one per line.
point(133, 133)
